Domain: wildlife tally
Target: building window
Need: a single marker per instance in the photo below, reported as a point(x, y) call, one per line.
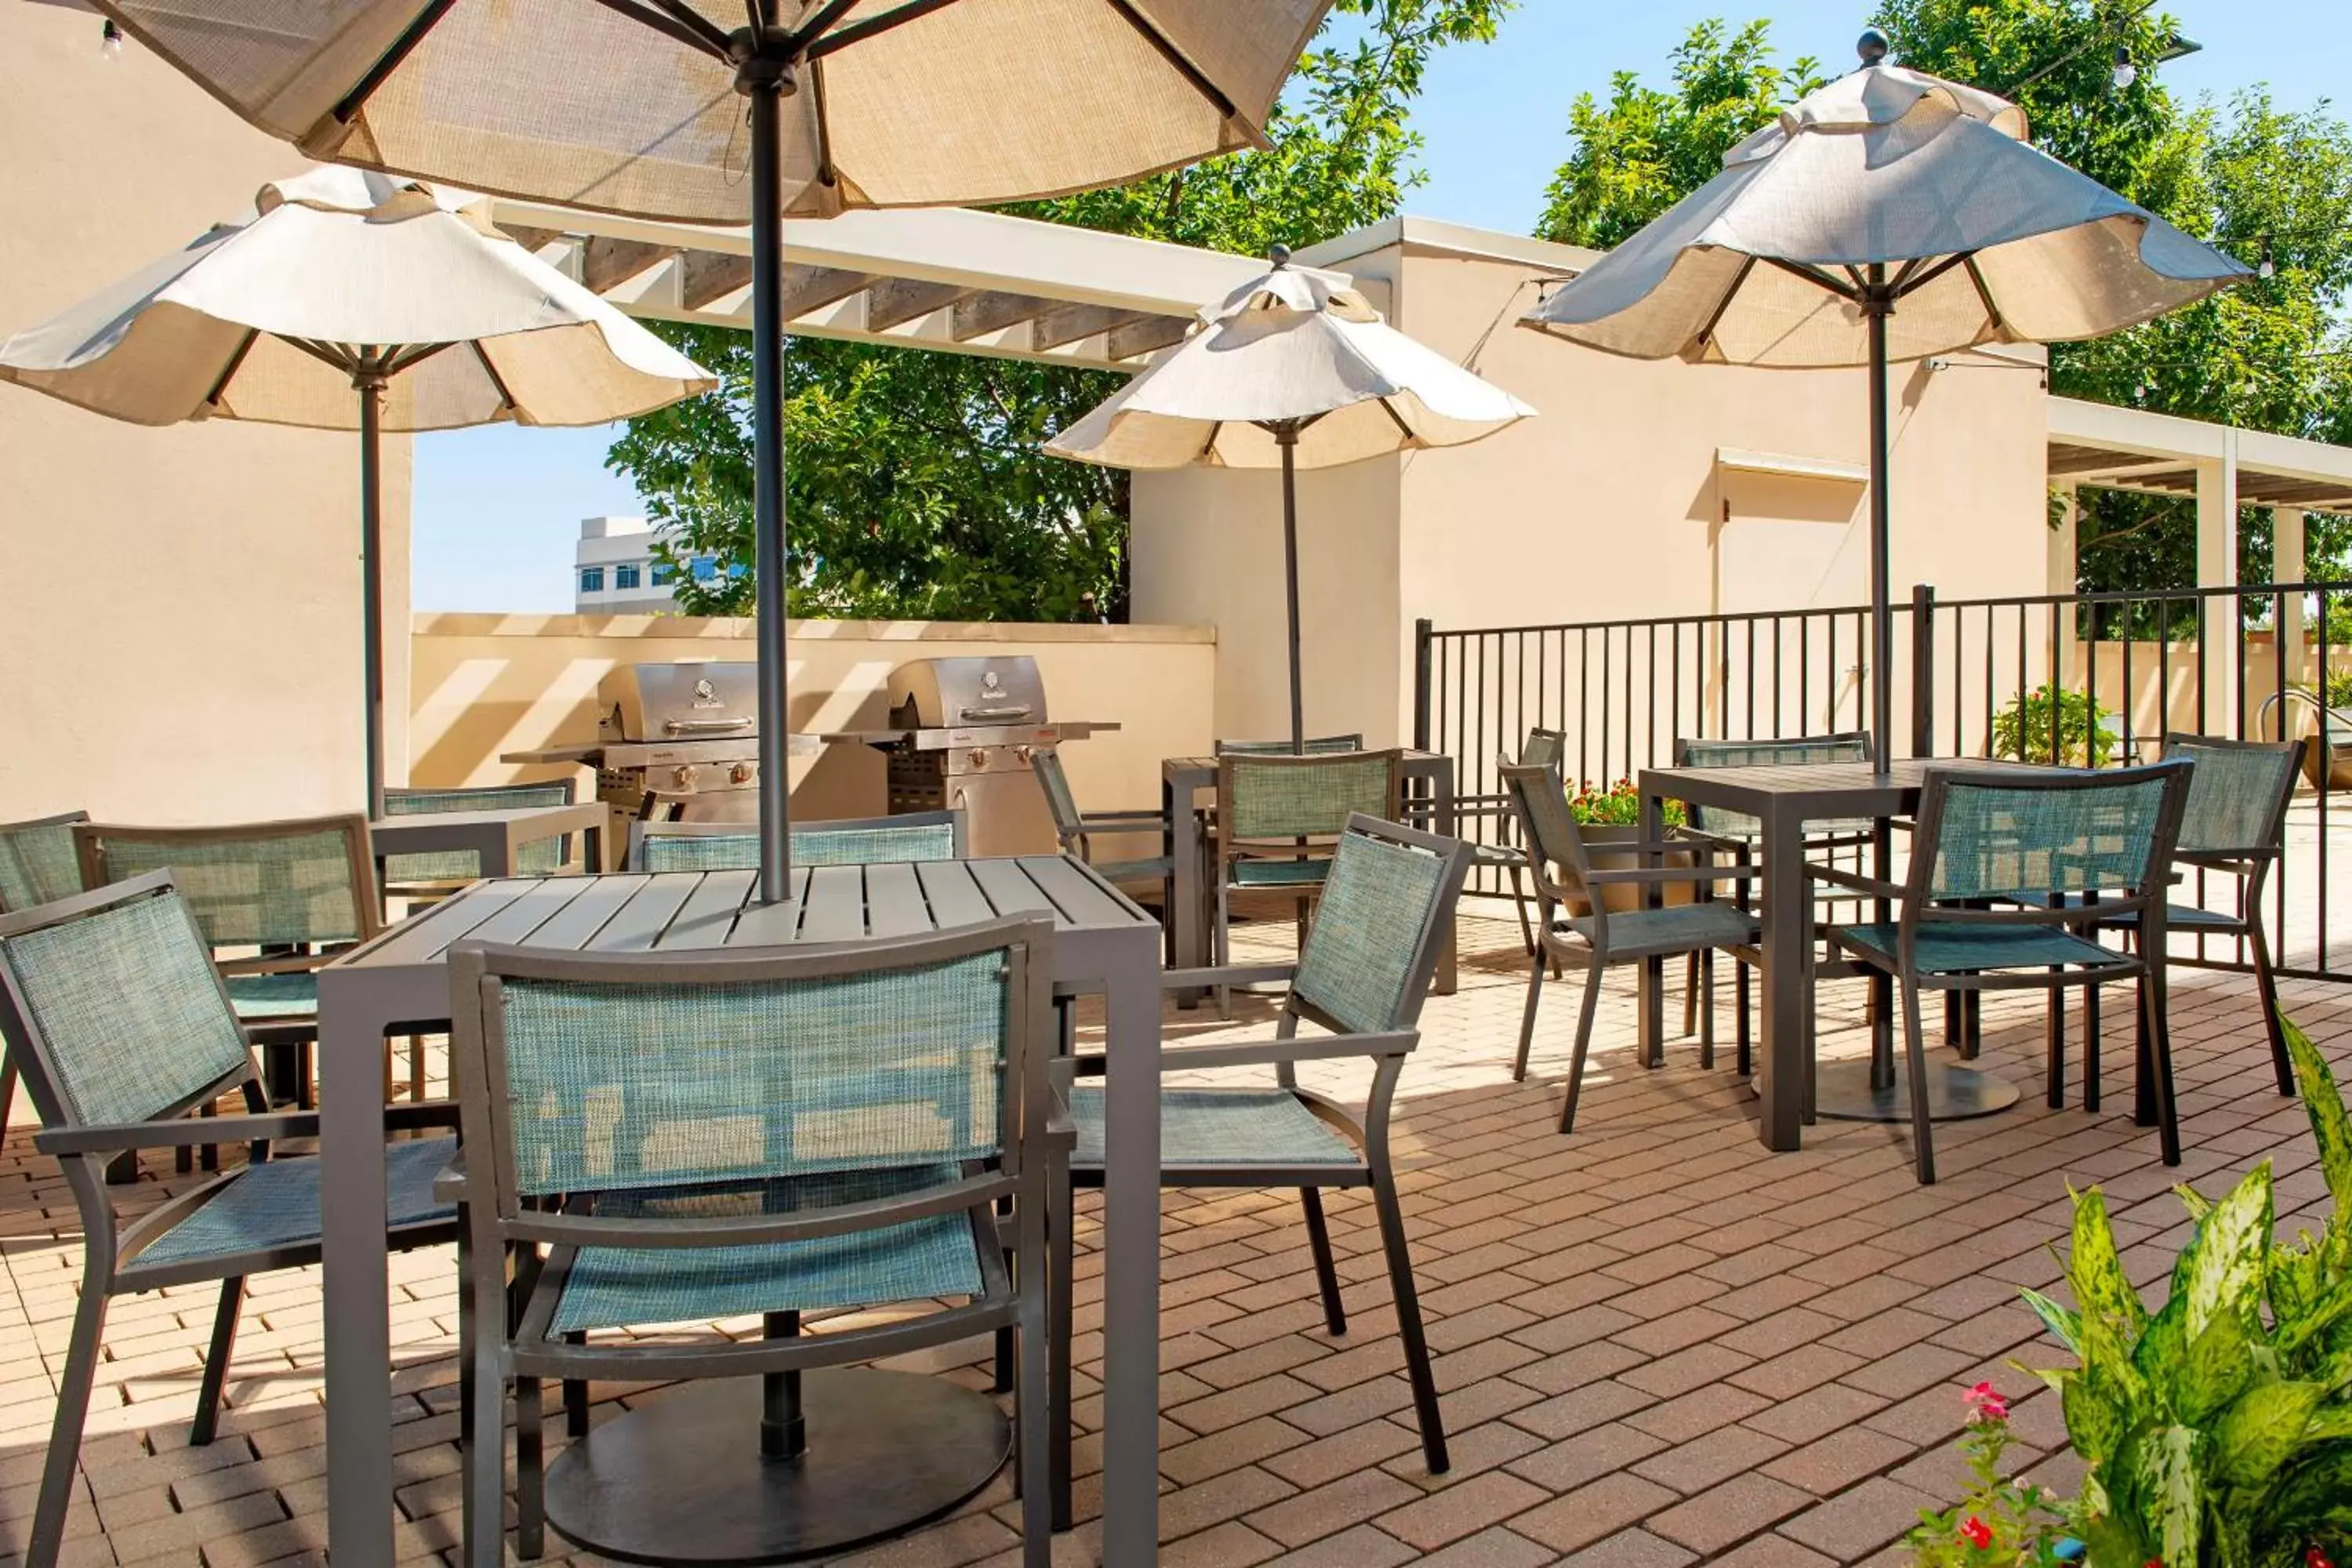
point(624, 576)
point(705, 568)
point(663, 573)
point(592, 579)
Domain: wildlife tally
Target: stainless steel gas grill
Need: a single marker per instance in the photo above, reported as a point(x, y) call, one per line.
point(673, 740)
point(962, 733)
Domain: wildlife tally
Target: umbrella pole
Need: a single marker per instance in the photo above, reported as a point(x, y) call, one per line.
point(766, 92)
point(368, 380)
point(1286, 436)
point(1877, 304)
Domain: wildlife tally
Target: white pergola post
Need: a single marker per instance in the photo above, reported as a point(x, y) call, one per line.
point(2217, 567)
point(2288, 564)
point(2062, 576)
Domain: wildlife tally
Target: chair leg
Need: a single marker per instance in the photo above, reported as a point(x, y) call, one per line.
point(206, 1424)
point(2167, 1113)
point(415, 1066)
point(64, 1432)
point(1326, 1272)
point(1408, 1315)
point(2267, 983)
point(2054, 1045)
point(1222, 944)
point(530, 1470)
point(2091, 1032)
point(1740, 984)
point(8, 1086)
point(1914, 1050)
point(1585, 1011)
point(575, 1396)
point(1037, 1287)
point(1519, 896)
point(1527, 1018)
point(1061, 1224)
point(1690, 993)
point(1706, 1008)
point(484, 1407)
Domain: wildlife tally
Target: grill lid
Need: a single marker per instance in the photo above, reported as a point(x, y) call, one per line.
point(701, 701)
point(945, 693)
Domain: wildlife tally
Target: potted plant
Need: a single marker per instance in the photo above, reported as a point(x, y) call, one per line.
point(2216, 1430)
point(1613, 815)
point(2087, 733)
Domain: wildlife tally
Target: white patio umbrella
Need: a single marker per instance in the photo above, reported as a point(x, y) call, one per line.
point(1889, 216)
point(1292, 370)
point(635, 106)
point(354, 301)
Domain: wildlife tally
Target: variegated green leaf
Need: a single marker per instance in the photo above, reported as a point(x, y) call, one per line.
point(2262, 1431)
point(2232, 1246)
point(2095, 1420)
point(2165, 1480)
point(2064, 1323)
point(2293, 1284)
point(2216, 1370)
point(2198, 1205)
point(2314, 1492)
point(2331, 1422)
point(2101, 1287)
point(2162, 1348)
point(2331, 1123)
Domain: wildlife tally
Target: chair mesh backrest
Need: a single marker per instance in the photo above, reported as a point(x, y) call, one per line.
point(260, 891)
point(1378, 903)
point(666, 1085)
point(1545, 749)
point(1314, 746)
point(127, 1002)
point(1542, 804)
point(811, 846)
point(1285, 798)
point(1762, 754)
point(38, 865)
point(1999, 841)
point(1064, 806)
point(539, 857)
point(2234, 795)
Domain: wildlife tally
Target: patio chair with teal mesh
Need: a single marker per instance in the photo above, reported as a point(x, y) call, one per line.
point(2024, 843)
point(2234, 826)
point(1075, 830)
point(659, 1138)
point(1313, 746)
point(110, 1003)
point(859, 841)
point(275, 900)
point(1278, 818)
point(441, 872)
point(1387, 904)
point(37, 865)
point(1606, 937)
point(1508, 851)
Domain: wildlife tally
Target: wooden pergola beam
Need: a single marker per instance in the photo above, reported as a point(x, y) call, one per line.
point(608, 263)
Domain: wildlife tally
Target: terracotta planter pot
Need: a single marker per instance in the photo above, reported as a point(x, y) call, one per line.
point(1622, 897)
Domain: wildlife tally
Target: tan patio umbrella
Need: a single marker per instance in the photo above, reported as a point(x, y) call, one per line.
point(354, 301)
point(1889, 216)
point(635, 106)
point(1293, 369)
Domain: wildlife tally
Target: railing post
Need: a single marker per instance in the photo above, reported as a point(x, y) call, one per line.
point(1923, 669)
point(1422, 631)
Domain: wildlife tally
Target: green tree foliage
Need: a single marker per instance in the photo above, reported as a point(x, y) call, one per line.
point(915, 487)
point(2250, 176)
point(1646, 147)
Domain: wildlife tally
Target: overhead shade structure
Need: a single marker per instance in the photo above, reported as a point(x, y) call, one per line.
point(1889, 216)
point(354, 301)
point(635, 106)
point(1293, 370)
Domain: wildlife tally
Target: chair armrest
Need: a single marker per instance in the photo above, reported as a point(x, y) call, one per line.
point(1231, 974)
point(1639, 875)
point(1300, 1049)
point(1686, 836)
point(1855, 880)
point(1122, 821)
point(188, 1132)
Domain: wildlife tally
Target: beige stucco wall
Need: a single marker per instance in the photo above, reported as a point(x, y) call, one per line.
point(181, 641)
point(490, 684)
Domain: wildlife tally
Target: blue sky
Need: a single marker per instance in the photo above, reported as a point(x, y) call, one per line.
point(495, 510)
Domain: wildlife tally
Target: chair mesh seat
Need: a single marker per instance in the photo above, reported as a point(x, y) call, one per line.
point(1222, 1127)
point(620, 1287)
point(276, 1204)
point(1949, 947)
point(2179, 917)
point(1679, 928)
point(273, 996)
point(1280, 873)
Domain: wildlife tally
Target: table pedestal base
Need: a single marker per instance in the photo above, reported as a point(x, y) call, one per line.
point(681, 1479)
point(1842, 1092)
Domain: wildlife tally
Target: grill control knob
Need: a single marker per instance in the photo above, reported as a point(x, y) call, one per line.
point(740, 774)
point(683, 778)
point(977, 757)
point(1025, 753)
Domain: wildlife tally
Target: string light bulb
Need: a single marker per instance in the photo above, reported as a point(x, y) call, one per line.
point(2127, 73)
point(109, 41)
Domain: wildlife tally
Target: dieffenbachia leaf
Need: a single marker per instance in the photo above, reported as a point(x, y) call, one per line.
point(2231, 1247)
point(2165, 1479)
point(2262, 1431)
point(2331, 1124)
point(2216, 1370)
point(2063, 1322)
point(2102, 1290)
point(2314, 1492)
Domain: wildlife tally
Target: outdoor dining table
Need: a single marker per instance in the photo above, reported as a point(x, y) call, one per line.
point(1782, 797)
point(496, 835)
point(1429, 785)
point(399, 984)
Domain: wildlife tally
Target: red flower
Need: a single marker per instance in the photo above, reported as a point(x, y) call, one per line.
point(1977, 1533)
point(1988, 1401)
point(2315, 1558)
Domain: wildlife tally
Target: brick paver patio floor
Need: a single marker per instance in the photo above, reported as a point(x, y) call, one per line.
point(1658, 1343)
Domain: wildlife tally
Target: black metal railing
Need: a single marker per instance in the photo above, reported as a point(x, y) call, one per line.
point(2083, 679)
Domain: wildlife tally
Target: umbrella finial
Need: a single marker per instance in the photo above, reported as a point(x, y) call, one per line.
point(1279, 254)
point(1872, 47)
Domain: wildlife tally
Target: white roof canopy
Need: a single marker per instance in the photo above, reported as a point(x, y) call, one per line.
point(944, 278)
